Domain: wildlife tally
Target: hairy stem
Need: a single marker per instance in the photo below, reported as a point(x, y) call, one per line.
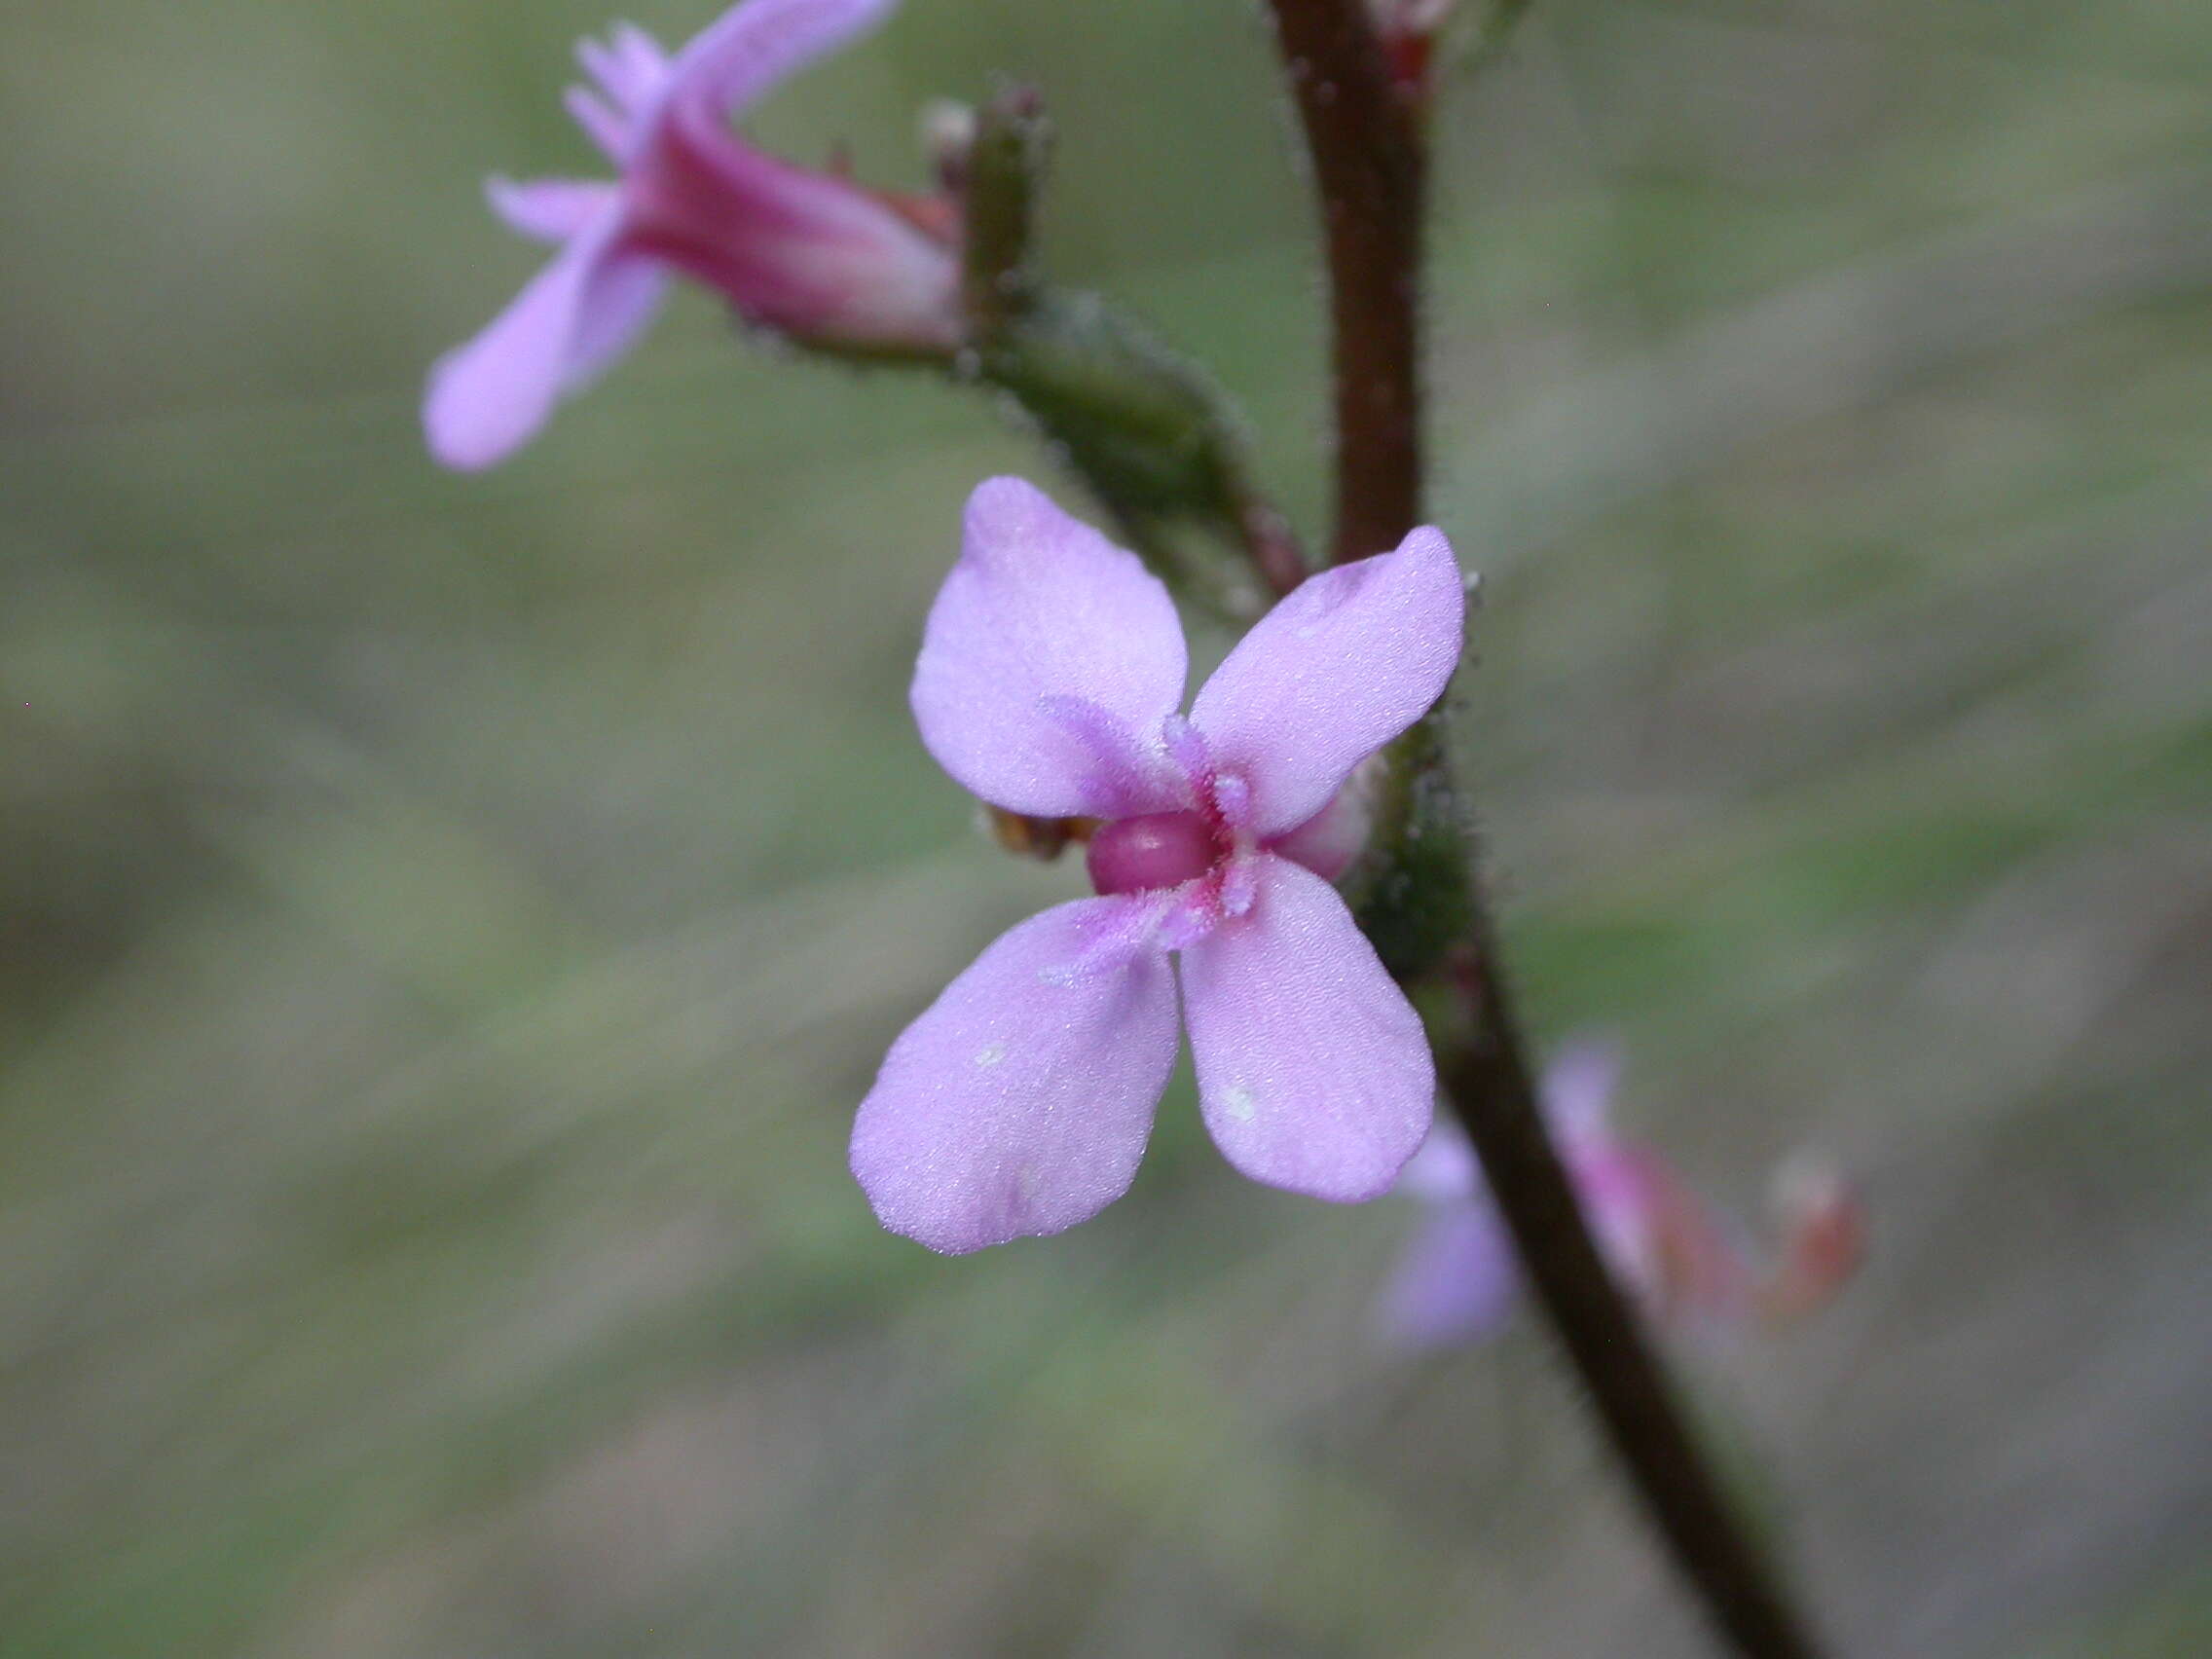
point(1368, 163)
point(1364, 134)
point(1487, 1077)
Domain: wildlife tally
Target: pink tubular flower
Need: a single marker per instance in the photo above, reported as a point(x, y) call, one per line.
point(1019, 1104)
point(807, 254)
point(1458, 1278)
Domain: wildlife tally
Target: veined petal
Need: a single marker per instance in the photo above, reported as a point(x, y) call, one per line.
point(1050, 659)
point(1457, 1279)
point(549, 209)
point(1019, 1104)
point(758, 43)
point(486, 397)
point(1313, 1071)
point(1347, 662)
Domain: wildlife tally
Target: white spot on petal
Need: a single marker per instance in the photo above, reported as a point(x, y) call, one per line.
point(991, 1054)
point(1239, 1102)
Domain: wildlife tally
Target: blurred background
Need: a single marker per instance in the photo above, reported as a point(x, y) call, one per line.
point(445, 923)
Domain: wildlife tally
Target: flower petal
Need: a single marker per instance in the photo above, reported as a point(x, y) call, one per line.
point(1313, 1071)
point(1328, 842)
point(486, 398)
point(622, 298)
point(1019, 1102)
point(1445, 1170)
point(1050, 659)
point(549, 209)
point(1578, 1093)
point(1347, 661)
point(629, 65)
point(1455, 1281)
point(758, 43)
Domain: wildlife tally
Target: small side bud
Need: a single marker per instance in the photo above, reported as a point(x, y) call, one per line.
point(1408, 30)
point(947, 131)
point(1820, 1238)
point(1009, 144)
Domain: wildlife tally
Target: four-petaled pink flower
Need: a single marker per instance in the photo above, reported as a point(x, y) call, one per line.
point(1458, 1278)
point(808, 254)
point(1051, 674)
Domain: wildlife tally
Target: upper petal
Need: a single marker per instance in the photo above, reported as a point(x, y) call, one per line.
point(630, 67)
point(758, 43)
point(1313, 1071)
point(486, 398)
point(1019, 1102)
point(1050, 659)
point(1349, 659)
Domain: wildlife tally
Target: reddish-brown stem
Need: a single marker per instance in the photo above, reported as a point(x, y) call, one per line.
point(1487, 1077)
point(1368, 163)
point(1366, 143)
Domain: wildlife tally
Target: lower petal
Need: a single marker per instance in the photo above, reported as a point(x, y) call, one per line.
point(1312, 1067)
point(1019, 1104)
point(624, 294)
point(1315, 1073)
point(488, 398)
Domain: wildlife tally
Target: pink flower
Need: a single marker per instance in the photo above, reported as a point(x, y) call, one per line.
point(1459, 1278)
point(1051, 673)
point(807, 254)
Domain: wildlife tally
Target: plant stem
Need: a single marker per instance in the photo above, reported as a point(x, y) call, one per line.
point(1487, 1077)
point(1368, 163)
point(1366, 142)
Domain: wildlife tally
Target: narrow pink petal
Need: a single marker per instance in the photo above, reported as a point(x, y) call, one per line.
point(486, 398)
point(1346, 663)
point(1313, 1071)
point(643, 57)
point(1455, 1281)
point(623, 296)
point(1050, 659)
point(612, 133)
point(549, 209)
point(758, 43)
point(1621, 1203)
point(1019, 1104)
point(629, 66)
point(1579, 1092)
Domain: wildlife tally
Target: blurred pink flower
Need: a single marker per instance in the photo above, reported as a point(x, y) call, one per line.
point(807, 254)
point(1458, 1278)
point(1051, 668)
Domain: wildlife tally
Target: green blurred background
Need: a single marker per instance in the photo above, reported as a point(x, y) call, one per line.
point(445, 923)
